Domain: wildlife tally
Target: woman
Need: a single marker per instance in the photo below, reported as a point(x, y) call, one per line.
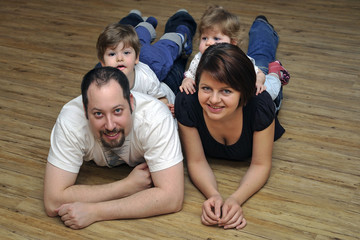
point(224, 119)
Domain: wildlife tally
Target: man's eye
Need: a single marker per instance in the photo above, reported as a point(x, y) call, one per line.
point(118, 111)
point(97, 114)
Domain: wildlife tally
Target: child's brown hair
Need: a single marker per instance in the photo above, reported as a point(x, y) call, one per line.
point(114, 34)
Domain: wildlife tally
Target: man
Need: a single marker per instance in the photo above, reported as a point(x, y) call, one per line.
point(112, 126)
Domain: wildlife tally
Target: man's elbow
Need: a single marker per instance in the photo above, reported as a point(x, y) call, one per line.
point(176, 203)
point(50, 207)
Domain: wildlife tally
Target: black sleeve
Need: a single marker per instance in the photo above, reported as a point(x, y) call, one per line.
point(185, 110)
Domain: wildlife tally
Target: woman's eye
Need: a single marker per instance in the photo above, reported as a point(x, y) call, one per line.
point(206, 89)
point(226, 91)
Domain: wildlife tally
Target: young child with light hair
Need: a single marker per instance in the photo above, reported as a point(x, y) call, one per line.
point(217, 25)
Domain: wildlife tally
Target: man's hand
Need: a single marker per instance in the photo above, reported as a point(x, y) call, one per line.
point(139, 179)
point(77, 215)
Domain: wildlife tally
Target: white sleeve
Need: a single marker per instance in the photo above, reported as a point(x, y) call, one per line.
point(191, 72)
point(65, 149)
point(147, 82)
point(256, 68)
point(162, 148)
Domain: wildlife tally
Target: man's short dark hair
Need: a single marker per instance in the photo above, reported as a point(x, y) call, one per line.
point(102, 76)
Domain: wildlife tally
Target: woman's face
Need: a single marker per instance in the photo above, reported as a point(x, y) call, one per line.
point(218, 100)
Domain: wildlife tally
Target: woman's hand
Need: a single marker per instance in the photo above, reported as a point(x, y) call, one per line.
point(211, 211)
point(232, 215)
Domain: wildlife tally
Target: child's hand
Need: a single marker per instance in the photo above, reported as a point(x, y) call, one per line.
point(171, 108)
point(188, 85)
point(260, 80)
point(260, 88)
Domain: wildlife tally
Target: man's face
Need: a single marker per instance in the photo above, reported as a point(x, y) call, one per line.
point(109, 113)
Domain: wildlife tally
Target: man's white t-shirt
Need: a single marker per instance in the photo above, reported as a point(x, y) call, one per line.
point(154, 138)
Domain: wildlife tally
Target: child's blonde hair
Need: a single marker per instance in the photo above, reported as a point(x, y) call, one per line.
point(216, 17)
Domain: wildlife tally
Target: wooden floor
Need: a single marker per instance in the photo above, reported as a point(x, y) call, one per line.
point(313, 192)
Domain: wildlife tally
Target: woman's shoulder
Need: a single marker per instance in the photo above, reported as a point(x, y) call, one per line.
point(187, 108)
point(262, 110)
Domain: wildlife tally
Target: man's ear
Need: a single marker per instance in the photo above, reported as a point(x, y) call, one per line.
point(86, 114)
point(132, 105)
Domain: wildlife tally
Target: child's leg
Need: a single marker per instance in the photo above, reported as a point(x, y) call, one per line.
point(176, 74)
point(133, 18)
point(273, 85)
point(162, 55)
point(263, 42)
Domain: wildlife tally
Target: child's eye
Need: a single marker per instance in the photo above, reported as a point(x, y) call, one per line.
point(111, 54)
point(217, 39)
point(204, 38)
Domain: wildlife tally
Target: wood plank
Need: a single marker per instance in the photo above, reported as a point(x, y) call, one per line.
point(314, 189)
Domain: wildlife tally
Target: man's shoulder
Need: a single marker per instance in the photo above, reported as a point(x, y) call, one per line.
point(147, 103)
point(149, 108)
point(73, 113)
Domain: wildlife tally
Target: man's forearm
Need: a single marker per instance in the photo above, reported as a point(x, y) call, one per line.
point(150, 202)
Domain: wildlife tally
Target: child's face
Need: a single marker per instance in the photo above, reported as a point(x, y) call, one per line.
point(122, 58)
point(210, 37)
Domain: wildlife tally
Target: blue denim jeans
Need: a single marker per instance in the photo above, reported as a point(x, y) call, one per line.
point(160, 56)
point(263, 42)
point(163, 56)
